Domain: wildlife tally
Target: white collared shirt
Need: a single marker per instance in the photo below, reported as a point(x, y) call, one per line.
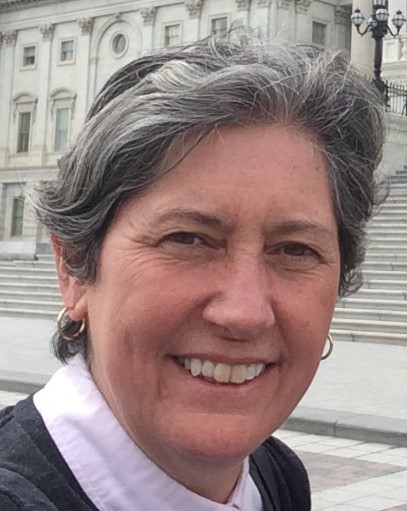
point(112, 470)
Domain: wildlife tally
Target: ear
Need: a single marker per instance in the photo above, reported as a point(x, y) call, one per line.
point(72, 289)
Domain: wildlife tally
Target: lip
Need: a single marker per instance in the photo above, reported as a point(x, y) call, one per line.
point(222, 359)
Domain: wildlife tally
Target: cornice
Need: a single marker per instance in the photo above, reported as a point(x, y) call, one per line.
point(302, 5)
point(243, 5)
point(10, 4)
point(263, 3)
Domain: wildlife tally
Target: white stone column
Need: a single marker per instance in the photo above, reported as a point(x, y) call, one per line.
point(286, 19)
point(86, 69)
point(40, 122)
point(342, 15)
point(362, 48)
point(263, 16)
point(148, 14)
point(243, 7)
point(302, 23)
point(194, 8)
point(7, 66)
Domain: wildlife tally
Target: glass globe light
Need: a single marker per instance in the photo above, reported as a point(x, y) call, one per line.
point(357, 18)
point(398, 20)
point(372, 22)
point(382, 15)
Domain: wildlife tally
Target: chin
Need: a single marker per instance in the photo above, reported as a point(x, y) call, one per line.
point(217, 437)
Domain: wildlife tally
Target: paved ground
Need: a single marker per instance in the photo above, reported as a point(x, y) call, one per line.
point(349, 475)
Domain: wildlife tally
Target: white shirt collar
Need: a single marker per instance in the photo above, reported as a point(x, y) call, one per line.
point(111, 469)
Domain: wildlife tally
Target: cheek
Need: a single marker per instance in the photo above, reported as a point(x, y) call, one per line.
point(304, 320)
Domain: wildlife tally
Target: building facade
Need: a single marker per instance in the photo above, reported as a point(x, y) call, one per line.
point(56, 55)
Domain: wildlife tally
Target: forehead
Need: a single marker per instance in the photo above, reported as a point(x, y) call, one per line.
point(263, 170)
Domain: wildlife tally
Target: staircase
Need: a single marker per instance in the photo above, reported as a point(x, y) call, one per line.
point(29, 289)
point(378, 311)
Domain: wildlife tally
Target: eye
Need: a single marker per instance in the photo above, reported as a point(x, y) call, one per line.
point(185, 238)
point(297, 250)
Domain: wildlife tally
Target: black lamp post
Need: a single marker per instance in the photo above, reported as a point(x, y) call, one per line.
point(378, 26)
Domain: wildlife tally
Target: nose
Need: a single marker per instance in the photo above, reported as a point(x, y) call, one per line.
point(242, 307)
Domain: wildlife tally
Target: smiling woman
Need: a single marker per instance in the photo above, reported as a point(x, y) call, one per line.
point(204, 223)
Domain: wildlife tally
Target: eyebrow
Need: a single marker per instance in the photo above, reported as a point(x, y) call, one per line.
point(191, 215)
point(283, 227)
point(302, 226)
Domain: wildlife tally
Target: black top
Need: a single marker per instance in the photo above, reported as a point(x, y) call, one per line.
point(35, 477)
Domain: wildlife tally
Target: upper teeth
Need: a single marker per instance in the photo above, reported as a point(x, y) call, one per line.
point(222, 373)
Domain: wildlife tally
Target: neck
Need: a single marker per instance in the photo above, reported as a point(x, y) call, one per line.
point(214, 480)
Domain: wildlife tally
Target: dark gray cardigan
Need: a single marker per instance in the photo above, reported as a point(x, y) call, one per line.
point(35, 477)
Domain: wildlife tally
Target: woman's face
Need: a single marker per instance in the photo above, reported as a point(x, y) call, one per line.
point(229, 266)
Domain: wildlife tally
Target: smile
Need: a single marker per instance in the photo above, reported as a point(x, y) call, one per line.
point(220, 372)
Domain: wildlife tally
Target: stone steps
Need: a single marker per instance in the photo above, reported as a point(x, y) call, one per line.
point(377, 255)
point(372, 314)
point(30, 287)
point(356, 302)
point(27, 313)
point(41, 305)
point(28, 279)
point(378, 311)
point(368, 325)
point(11, 294)
point(386, 284)
point(381, 336)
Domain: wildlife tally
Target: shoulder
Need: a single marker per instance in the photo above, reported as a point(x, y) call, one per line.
point(33, 473)
point(7, 502)
point(279, 474)
point(19, 494)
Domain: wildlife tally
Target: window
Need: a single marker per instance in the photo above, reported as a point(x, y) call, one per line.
point(172, 35)
point(318, 33)
point(66, 51)
point(61, 129)
point(219, 26)
point(119, 45)
point(23, 136)
point(17, 216)
point(29, 56)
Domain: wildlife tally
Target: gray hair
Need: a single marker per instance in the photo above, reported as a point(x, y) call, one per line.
point(173, 99)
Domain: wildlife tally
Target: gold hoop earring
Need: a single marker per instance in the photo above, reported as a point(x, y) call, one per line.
point(64, 335)
point(330, 347)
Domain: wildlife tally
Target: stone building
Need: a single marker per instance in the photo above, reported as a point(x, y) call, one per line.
point(55, 56)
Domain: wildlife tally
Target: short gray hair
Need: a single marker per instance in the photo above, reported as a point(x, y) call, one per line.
point(154, 104)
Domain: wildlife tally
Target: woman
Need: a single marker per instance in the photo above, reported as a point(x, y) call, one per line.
point(205, 221)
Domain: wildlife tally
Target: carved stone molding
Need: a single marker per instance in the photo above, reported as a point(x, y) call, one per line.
point(86, 25)
point(243, 5)
point(285, 4)
point(302, 6)
point(263, 3)
point(47, 31)
point(10, 37)
point(148, 14)
point(343, 14)
point(194, 7)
